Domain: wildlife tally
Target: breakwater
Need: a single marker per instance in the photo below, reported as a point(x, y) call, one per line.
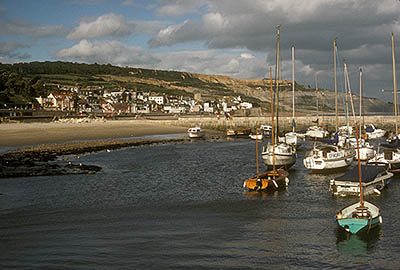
point(285, 123)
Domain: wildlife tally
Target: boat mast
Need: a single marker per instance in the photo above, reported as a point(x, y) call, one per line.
point(361, 107)
point(257, 154)
point(346, 94)
point(316, 93)
point(272, 121)
point(293, 121)
point(277, 82)
point(334, 70)
point(359, 170)
point(394, 88)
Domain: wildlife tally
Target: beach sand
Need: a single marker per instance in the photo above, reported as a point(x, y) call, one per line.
point(22, 134)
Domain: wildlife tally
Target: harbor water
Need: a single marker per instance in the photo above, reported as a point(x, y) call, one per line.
point(182, 206)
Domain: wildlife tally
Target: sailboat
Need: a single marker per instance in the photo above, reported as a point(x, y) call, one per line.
point(316, 132)
point(328, 155)
point(391, 156)
point(280, 154)
point(270, 180)
point(361, 216)
point(292, 138)
point(366, 150)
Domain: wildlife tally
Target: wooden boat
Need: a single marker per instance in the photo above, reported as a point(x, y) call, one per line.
point(361, 216)
point(196, 132)
point(268, 181)
point(374, 180)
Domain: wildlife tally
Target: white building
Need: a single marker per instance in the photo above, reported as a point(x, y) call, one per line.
point(157, 99)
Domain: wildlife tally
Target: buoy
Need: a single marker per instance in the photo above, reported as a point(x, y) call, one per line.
point(377, 191)
point(287, 181)
point(380, 219)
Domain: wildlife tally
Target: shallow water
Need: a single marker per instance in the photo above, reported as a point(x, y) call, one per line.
point(182, 206)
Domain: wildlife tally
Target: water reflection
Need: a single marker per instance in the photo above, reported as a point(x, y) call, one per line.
point(350, 245)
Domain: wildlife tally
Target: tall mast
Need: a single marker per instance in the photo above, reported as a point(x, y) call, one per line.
point(334, 70)
point(277, 82)
point(359, 170)
point(394, 87)
point(316, 93)
point(272, 121)
point(361, 107)
point(293, 121)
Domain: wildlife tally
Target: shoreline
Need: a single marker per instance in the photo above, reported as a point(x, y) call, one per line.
point(39, 157)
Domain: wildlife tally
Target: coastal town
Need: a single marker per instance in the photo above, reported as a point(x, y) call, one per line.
point(94, 99)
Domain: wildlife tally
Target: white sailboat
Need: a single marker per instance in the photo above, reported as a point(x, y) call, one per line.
point(330, 155)
point(292, 138)
point(390, 157)
point(281, 154)
point(316, 132)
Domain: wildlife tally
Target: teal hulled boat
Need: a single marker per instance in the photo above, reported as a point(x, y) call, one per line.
point(359, 217)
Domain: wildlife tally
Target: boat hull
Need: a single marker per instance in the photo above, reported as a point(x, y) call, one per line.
point(344, 188)
point(355, 219)
point(268, 181)
point(357, 225)
point(285, 156)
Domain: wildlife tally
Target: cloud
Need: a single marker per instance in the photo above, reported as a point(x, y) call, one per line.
point(129, 3)
point(10, 50)
point(31, 30)
point(112, 25)
point(175, 8)
point(105, 25)
point(105, 52)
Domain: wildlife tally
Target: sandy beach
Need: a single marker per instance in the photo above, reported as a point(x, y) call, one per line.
point(22, 134)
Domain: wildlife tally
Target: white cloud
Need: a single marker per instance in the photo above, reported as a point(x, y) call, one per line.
point(105, 52)
point(174, 8)
point(105, 25)
point(112, 25)
point(247, 56)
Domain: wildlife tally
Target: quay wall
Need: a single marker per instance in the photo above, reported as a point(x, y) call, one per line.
point(285, 123)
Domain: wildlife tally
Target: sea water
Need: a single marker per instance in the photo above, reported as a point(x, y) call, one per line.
point(182, 206)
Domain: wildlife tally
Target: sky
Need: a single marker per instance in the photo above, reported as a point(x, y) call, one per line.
point(236, 38)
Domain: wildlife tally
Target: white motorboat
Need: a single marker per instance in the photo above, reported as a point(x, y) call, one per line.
point(374, 132)
point(266, 130)
point(374, 179)
point(196, 132)
point(256, 136)
point(316, 132)
point(326, 158)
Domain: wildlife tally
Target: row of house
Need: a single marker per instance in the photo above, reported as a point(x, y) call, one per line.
point(98, 100)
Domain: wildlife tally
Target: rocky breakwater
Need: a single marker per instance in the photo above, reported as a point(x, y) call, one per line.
point(44, 159)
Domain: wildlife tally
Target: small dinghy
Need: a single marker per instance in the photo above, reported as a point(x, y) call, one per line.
point(362, 216)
